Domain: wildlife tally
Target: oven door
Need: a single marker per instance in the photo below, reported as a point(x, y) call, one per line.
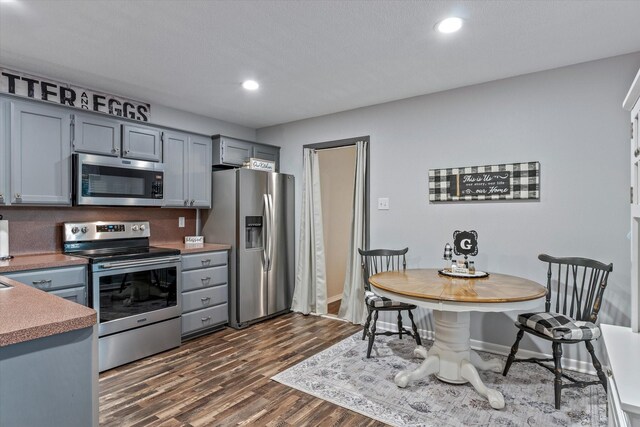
point(131, 294)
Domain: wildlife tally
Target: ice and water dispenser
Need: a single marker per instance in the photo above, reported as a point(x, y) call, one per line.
point(253, 232)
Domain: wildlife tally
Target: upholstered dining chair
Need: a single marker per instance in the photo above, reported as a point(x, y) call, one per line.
point(574, 295)
point(377, 261)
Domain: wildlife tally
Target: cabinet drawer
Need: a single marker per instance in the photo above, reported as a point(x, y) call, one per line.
point(204, 318)
point(51, 279)
point(204, 278)
point(203, 298)
point(207, 259)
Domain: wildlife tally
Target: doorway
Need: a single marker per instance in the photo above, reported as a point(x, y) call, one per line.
point(337, 164)
point(337, 170)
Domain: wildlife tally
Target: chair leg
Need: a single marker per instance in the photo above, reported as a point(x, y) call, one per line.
point(597, 365)
point(557, 383)
point(416, 336)
point(512, 355)
point(366, 324)
point(400, 323)
point(372, 334)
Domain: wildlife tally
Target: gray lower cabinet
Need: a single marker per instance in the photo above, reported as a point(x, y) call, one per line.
point(95, 135)
point(187, 160)
point(66, 282)
point(141, 143)
point(40, 154)
point(204, 292)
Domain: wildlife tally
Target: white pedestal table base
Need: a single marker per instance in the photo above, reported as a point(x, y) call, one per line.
point(451, 358)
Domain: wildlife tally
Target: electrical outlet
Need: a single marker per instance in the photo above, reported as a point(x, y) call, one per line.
point(181, 221)
point(383, 203)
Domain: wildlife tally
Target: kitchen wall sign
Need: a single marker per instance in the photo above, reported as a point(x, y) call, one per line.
point(511, 181)
point(45, 89)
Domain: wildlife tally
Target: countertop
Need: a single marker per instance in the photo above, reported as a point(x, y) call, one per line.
point(206, 247)
point(32, 262)
point(27, 313)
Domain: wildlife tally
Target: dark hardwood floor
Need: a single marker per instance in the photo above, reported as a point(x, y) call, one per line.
point(223, 379)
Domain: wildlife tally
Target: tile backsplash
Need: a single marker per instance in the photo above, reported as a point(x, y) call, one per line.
point(34, 230)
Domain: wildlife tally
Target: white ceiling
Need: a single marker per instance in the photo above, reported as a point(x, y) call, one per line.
point(310, 57)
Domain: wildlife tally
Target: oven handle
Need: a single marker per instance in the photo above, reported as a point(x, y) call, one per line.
point(151, 261)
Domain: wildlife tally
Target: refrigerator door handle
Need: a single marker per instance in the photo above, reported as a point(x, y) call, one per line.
point(271, 228)
point(266, 260)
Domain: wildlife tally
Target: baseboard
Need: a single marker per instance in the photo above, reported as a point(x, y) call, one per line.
point(334, 298)
point(569, 364)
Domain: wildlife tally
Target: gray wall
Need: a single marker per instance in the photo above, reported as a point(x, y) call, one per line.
point(569, 119)
point(167, 116)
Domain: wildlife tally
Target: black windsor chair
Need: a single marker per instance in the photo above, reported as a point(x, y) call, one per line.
point(578, 287)
point(377, 261)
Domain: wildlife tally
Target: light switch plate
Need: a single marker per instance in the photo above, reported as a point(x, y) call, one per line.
point(181, 221)
point(383, 203)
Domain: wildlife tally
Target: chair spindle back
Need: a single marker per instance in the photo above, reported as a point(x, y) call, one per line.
point(379, 260)
point(578, 285)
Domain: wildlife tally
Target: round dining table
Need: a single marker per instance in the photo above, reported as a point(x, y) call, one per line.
point(452, 300)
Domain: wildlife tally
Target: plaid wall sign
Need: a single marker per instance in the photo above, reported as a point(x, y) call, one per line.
point(511, 181)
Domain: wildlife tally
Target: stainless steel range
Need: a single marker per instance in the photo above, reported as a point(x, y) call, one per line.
point(135, 288)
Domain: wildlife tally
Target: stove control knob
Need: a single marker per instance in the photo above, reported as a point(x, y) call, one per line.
point(142, 227)
point(75, 230)
point(134, 228)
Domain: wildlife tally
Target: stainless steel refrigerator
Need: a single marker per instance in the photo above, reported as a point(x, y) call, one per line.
point(253, 211)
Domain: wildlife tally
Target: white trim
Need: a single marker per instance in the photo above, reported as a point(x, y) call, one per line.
point(570, 364)
point(633, 94)
point(334, 298)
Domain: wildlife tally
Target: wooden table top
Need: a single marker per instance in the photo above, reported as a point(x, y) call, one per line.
point(429, 284)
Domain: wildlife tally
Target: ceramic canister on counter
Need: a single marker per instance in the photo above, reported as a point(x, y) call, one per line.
point(4, 238)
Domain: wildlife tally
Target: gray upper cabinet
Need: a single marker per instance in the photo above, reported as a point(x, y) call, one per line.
point(141, 143)
point(5, 109)
point(40, 154)
point(199, 171)
point(95, 135)
point(231, 151)
point(267, 152)
point(187, 162)
point(174, 148)
point(235, 152)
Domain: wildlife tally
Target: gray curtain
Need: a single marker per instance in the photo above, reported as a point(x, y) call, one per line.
point(310, 294)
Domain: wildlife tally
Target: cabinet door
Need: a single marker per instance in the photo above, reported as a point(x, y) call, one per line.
point(234, 151)
point(142, 143)
point(77, 295)
point(267, 152)
point(40, 155)
point(199, 172)
point(174, 149)
point(95, 135)
point(5, 108)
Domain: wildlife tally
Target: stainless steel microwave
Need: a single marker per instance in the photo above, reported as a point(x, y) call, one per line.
point(101, 180)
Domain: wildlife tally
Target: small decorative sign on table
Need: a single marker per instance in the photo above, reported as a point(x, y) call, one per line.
point(510, 181)
point(464, 243)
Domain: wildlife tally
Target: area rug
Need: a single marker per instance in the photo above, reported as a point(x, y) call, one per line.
point(343, 375)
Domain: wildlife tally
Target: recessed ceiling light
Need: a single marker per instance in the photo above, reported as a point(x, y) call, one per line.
point(449, 25)
point(250, 85)
point(7, 1)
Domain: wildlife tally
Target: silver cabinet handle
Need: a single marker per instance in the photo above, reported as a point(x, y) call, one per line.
point(192, 202)
point(205, 299)
point(186, 202)
point(205, 279)
point(205, 319)
point(206, 261)
point(45, 283)
point(1, 196)
point(18, 196)
point(636, 152)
